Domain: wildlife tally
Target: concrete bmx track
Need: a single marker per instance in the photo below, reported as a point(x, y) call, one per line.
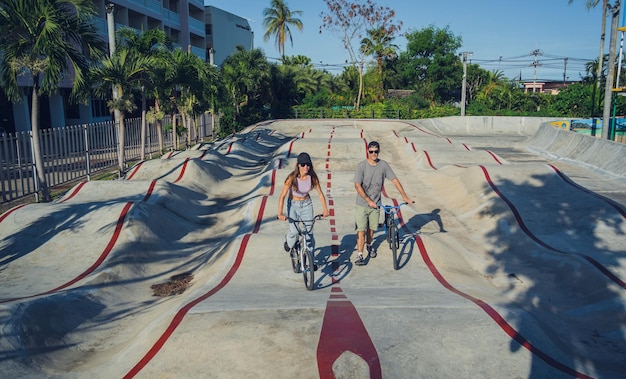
point(512, 261)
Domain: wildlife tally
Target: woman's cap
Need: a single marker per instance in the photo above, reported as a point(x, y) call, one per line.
point(304, 158)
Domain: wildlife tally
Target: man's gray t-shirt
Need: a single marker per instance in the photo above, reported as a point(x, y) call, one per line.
point(371, 179)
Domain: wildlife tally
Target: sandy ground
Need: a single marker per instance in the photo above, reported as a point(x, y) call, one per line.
point(512, 264)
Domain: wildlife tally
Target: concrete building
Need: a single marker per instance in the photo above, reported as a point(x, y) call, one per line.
point(190, 24)
point(547, 87)
point(224, 32)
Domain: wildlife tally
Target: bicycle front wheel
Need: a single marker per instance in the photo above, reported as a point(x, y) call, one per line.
point(395, 243)
point(308, 267)
point(388, 226)
point(295, 257)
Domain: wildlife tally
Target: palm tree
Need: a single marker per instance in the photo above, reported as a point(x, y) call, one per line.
point(379, 44)
point(244, 73)
point(150, 43)
point(45, 41)
point(186, 73)
point(277, 20)
point(614, 10)
point(214, 92)
point(126, 73)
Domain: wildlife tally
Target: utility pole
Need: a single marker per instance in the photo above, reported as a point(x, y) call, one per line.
point(564, 71)
point(610, 76)
point(535, 63)
point(596, 87)
point(464, 85)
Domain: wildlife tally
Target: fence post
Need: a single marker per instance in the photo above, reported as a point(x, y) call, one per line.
point(87, 160)
point(34, 170)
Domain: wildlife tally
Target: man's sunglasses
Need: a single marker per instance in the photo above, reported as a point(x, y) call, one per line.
point(374, 151)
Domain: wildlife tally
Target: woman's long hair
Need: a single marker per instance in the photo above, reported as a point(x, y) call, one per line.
point(291, 178)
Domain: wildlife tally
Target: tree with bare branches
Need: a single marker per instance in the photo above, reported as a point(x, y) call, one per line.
point(350, 21)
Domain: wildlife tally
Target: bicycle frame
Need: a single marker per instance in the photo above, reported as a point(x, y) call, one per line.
point(304, 256)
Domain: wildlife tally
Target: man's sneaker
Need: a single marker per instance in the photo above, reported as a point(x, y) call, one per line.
point(359, 260)
point(371, 250)
point(286, 247)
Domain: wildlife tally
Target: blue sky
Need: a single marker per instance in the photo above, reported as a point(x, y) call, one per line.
point(501, 34)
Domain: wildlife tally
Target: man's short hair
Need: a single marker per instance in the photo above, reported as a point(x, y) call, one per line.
point(373, 144)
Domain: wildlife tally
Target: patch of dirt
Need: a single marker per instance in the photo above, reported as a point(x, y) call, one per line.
point(176, 285)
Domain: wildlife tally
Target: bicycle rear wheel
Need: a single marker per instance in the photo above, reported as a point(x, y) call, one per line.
point(309, 269)
point(395, 243)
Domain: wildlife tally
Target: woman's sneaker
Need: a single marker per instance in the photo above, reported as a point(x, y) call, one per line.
point(371, 250)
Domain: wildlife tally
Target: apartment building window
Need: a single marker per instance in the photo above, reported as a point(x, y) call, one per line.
point(99, 108)
point(72, 110)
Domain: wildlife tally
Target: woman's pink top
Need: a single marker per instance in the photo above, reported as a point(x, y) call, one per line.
point(304, 187)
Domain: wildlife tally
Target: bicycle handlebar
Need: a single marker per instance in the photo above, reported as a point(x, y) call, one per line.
point(316, 218)
point(391, 208)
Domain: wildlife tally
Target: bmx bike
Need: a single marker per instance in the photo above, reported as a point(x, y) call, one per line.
point(302, 259)
point(391, 230)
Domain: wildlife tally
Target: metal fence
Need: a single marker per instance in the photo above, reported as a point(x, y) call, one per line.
point(76, 152)
point(346, 113)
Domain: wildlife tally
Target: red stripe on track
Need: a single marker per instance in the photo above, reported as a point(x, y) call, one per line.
point(494, 156)
point(420, 129)
point(98, 262)
point(150, 190)
point(343, 330)
point(182, 172)
point(334, 252)
point(523, 226)
point(178, 318)
point(290, 148)
point(7, 213)
point(78, 188)
point(567, 180)
point(135, 171)
point(272, 183)
point(429, 161)
point(508, 329)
